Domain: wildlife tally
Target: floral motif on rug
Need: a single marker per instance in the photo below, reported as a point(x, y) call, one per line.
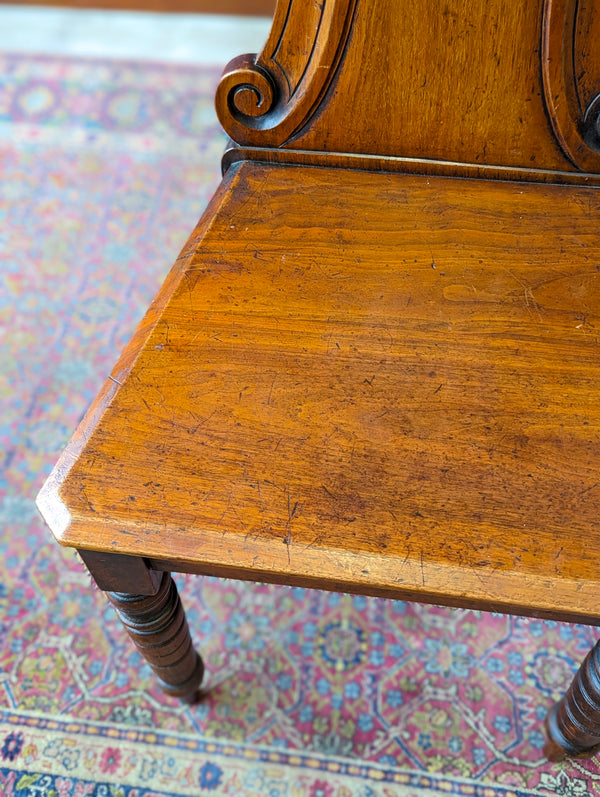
point(106, 167)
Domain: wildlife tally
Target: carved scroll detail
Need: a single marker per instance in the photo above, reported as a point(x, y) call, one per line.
point(575, 125)
point(264, 100)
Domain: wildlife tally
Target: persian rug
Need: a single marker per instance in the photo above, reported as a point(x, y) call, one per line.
point(106, 167)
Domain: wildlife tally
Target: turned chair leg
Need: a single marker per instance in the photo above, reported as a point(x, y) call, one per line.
point(153, 616)
point(158, 628)
point(573, 724)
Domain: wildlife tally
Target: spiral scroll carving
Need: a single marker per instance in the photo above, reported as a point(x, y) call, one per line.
point(264, 100)
point(246, 93)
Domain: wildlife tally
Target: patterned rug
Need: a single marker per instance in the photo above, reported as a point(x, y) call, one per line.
point(106, 168)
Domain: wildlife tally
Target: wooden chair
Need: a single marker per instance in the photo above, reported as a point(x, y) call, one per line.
point(374, 367)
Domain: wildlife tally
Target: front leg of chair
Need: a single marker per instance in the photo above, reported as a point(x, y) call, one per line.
point(158, 628)
point(149, 606)
point(573, 724)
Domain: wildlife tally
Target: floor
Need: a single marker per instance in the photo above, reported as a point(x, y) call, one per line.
point(179, 38)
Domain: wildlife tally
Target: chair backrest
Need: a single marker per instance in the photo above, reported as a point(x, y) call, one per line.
point(507, 88)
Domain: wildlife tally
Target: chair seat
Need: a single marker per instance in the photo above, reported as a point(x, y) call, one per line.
point(386, 384)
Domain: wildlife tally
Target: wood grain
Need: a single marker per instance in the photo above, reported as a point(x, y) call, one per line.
point(384, 383)
point(114, 572)
point(395, 164)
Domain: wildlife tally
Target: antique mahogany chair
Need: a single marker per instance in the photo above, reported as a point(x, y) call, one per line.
point(375, 366)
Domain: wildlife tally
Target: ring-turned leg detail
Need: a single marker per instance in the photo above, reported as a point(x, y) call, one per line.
point(573, 724)
point(158, 628)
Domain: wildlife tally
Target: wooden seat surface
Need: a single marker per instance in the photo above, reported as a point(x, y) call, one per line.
point(379, 383)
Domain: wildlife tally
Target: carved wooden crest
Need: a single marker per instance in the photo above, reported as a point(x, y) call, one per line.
point(482, 84)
